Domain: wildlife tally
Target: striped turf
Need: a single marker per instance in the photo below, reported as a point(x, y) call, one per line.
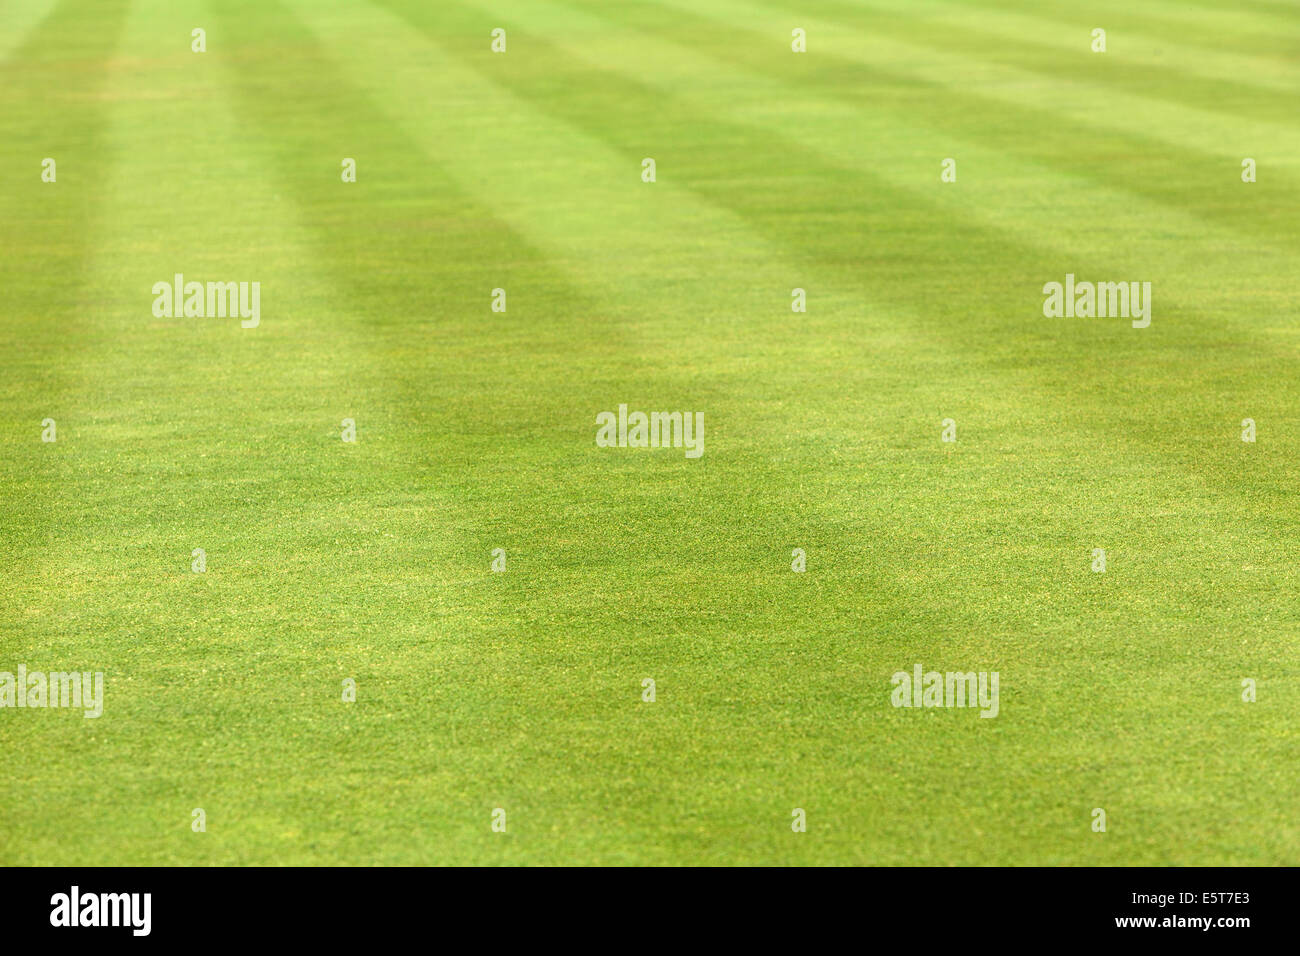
point(476, 431)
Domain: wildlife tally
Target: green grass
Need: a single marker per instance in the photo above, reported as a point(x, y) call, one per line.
point(476, 431)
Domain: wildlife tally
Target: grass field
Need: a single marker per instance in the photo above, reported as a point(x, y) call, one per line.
point(522, 690)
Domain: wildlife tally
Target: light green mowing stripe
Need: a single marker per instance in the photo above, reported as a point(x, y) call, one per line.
point(19, 18)
point(50, 107)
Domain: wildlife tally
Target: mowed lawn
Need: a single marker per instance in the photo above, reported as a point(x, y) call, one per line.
point(476, 430)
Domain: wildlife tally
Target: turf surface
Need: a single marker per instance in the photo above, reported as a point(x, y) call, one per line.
point(522, 690)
